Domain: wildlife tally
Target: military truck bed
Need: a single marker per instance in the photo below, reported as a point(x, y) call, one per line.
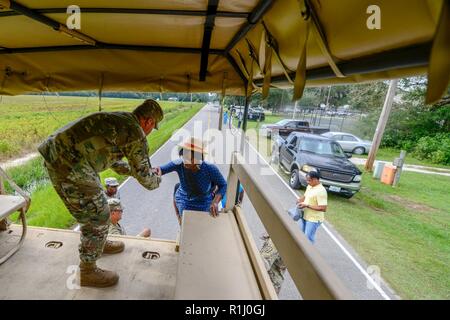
point(39, 270)
point(217, 259)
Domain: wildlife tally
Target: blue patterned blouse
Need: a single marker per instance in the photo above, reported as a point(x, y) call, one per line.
point(195, 193)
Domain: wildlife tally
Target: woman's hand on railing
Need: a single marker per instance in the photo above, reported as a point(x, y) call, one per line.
point(214, 209)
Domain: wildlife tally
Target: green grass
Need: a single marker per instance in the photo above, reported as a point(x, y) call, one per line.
point(31, 172)
point(26, 120)
point(47, 209)
point(403, 230)
point(251, 124)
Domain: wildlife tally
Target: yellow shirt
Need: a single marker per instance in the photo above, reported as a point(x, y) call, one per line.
point(315, 196)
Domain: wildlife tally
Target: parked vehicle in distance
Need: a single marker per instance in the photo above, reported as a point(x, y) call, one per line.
point(350, 142)
point(286, 126)
point(301, 153)
point(254, 113)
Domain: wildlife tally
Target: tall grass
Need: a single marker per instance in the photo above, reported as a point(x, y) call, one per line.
point(26, 120)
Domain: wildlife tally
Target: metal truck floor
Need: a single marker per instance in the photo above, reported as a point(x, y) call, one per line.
point(45, 267)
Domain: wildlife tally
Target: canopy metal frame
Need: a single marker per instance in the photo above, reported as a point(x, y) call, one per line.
point(211, 13)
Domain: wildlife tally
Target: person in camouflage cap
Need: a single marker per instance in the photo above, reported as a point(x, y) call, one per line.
point(272, 261)
point(112, 188)
point(73, 156)
point(115, 228)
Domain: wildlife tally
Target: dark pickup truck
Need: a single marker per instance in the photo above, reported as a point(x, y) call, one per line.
point(286, 126)
point(301, 153)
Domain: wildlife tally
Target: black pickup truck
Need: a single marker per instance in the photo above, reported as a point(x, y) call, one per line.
point(301, 153)
point(284, 127)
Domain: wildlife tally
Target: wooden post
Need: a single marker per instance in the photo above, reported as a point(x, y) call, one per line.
point(100, 92)
point(232, 186)
point(3, 222)
point(398, 162)
point(221, 112)
point(382, 121)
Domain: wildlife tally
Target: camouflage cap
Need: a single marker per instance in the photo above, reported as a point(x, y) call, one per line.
point(149, 109)
point(111, 182)
point(114, 204)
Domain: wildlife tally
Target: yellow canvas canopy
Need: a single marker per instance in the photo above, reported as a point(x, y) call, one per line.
point(209, 45)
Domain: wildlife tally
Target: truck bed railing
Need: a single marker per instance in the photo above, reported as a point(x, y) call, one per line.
point(311, 274)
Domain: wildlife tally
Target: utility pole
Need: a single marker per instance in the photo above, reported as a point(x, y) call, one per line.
point(328, 97)
point(384, 116)
point(295, 109)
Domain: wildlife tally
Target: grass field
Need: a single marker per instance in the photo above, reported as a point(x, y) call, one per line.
point(27, 120)
point(405, 230)
point(47, 210)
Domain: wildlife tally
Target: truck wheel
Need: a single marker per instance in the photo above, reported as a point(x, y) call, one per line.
point(275, 158)
point(294, 180)
point(359, 150)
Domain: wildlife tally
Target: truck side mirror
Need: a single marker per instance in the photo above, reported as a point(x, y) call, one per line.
point(348, 155)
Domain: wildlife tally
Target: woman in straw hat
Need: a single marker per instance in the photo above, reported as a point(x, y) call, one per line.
point(198, 179)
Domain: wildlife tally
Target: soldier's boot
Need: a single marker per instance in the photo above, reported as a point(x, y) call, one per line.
point(92, 276)
point(112, 247)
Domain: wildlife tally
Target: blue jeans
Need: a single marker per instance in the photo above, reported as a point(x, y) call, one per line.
point(309, 228)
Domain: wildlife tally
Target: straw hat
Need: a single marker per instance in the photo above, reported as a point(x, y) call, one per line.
point(193, 144)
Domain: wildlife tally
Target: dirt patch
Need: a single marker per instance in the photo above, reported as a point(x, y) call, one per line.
point(19, 161)
point(409, 204)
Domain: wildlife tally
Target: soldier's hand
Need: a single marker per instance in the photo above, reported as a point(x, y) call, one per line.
point(157, 170)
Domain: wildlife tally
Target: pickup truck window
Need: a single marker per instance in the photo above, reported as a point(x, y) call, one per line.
point(292, 139)
point(282, 122)
point(291, 125)
point(302, 124)
point(329, 148)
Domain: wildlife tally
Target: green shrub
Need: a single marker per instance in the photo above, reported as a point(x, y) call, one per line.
point(435, 148)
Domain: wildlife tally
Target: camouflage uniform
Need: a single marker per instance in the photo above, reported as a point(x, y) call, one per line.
point(116, 229)
point(75, 154)
point(115, 204)
point(273, 263)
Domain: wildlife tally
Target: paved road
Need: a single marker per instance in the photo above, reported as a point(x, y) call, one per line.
point(154, 209)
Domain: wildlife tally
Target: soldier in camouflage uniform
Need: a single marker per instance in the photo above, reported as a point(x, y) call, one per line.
point(73, 157)
point(273, 262)
point(115, 207)
point(112, 191)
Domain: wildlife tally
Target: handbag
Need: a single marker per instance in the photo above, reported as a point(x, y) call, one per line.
point(295, 213)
